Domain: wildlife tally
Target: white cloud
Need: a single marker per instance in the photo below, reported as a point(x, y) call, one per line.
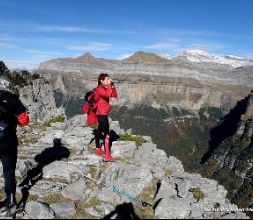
point(40, 52)
point(162, 46)
point(182, 33)
point(57, 28)
point(7, 46)
point(95, 46)
point(169, 44)
point(74, 29)
point(176, 45)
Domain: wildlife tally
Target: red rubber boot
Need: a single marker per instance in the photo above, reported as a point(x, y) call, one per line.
point(108, 156)
point(99, 152)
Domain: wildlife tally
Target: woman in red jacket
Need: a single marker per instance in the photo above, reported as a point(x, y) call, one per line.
point(104, 91)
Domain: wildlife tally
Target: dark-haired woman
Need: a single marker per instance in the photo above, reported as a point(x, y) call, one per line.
point(104, 91)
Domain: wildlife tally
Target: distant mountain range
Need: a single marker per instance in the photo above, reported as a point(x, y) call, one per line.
point(195, 56)
point(193, 64)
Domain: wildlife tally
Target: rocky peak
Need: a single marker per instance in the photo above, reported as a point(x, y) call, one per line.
point(87, 58)
point(144, 57)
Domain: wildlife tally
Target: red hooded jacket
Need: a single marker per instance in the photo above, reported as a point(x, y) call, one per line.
point(102, 98)
point(91, 114)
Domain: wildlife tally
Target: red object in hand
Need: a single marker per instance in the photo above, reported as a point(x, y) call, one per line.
point(23, 119)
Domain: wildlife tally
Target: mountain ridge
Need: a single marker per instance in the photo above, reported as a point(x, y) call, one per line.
point(195, 56)
point(142, 63)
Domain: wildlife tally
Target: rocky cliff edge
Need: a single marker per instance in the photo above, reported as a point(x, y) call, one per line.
point(52, 183)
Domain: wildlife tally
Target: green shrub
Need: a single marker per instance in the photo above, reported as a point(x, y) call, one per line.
point(137, 139)
point(59, 118)
point(35, 76)
point(210, 112)
point(197, 193)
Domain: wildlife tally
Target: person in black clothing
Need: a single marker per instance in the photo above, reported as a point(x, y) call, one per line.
point(12, 113)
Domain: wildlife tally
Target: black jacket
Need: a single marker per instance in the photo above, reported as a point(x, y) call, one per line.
point(14, 107)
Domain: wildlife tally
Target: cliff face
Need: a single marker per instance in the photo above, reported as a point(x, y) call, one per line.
point(156, 91)
point(230, 161)
point(40, 101)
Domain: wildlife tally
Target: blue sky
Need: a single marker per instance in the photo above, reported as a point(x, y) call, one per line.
point(32, 31)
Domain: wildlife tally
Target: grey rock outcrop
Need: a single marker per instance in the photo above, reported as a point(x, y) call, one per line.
point(64, 210)
point(40, 101)
point(63, 171)
point(76, 191)
point(144, 172)
point(38, 210)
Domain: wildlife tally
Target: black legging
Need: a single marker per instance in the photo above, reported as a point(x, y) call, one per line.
point(9, 162)
point(8, 156)
point(103, 129)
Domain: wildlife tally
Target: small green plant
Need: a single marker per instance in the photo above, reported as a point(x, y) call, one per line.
point(147, 195)
point(54, 198)
point(59, 118)
point(137, 139)
point(197, 193)
point(94, 202)
point(80, 210)
point(93, 126)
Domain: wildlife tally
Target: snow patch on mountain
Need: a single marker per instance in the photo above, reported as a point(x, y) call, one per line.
point(166, 56)
point(199, 56)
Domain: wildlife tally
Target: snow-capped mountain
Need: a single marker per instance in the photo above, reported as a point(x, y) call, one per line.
point(166, 56)
point(199, 56)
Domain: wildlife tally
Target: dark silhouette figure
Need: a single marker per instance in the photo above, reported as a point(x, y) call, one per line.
point(227, 128)
point(113, 136)
point(123, 211)
point(48, 156)
point(3, 204)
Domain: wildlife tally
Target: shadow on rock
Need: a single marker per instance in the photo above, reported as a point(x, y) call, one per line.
point(34, 174)
point(113, 136)
point(123, 211)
